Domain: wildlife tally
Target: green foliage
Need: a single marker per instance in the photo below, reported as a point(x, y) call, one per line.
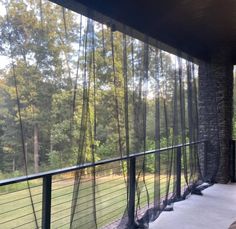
point(63, 98)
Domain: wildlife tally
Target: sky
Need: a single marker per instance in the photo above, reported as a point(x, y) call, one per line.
point(3, 61)
point(2, 10)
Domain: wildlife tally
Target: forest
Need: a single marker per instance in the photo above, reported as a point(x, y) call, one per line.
point(73, 90)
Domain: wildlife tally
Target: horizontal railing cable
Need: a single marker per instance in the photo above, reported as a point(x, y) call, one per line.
point(111, 190)
point(81, 211)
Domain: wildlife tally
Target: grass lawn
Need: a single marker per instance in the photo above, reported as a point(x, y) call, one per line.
point(16, 209)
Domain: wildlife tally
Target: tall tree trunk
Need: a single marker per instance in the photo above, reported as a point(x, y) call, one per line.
point(36, 149)
point(51, 143)
point(26, 154)
point(14, 163)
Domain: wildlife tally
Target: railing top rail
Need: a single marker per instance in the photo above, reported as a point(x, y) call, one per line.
point(87, 165)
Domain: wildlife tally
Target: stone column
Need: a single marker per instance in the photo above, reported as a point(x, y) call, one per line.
point(215, 113)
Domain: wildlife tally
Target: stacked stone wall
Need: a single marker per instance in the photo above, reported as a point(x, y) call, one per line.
point(215, 114)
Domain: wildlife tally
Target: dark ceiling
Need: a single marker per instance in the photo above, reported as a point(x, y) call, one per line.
point(196, 27)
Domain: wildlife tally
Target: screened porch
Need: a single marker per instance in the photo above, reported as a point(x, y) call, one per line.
point(117, 114)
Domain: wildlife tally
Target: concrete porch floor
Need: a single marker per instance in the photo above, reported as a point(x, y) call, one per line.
point(216, 209)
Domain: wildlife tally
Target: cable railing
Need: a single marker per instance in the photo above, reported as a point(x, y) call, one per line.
point(52, 191)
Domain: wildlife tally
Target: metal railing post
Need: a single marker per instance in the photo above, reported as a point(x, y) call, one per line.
point(132, 188)
point(233, 178)
point(178, 173)
point(46, 202)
